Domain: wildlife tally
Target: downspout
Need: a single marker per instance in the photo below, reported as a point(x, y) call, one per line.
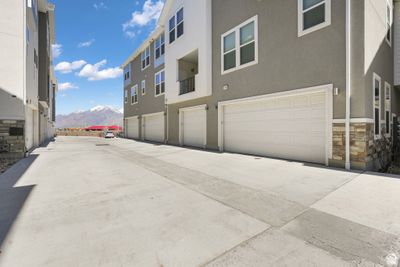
point(348, 83)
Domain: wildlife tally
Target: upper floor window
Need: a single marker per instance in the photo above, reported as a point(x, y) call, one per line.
point(176, 26)
point(240, 46)
point(389, 16)
point(126, 96)
point(134, 95)
point(377, 105)
point(160, 83)
point(127, 73)
point(159, 46)
point(388, 103)
point(145, 58)
point(143, 87)
point(313, 15)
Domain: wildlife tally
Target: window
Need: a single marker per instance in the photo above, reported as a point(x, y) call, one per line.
point(176, 26)
point(377, 105)
point(127, 73)
point(313, 15)
point(388, 103)
point(145, 58)
point(126, 96)
point(159, 46)
point(143, 87)
point(240, 46)
point(160, 83)
point(28, 35)
point(134, 96)
point(389, 17)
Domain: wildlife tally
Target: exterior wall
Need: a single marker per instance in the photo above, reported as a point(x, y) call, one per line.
point(197, 36)
point(44, 60)
point(148, 103)
point(285, 61)
point(396, 39)
point(12, 39)
point(379, 55)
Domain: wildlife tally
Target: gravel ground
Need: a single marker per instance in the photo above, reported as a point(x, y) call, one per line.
point(4, 165)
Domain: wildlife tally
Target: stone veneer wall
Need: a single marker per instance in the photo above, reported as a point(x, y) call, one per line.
point(362, 152)
point(12, 147)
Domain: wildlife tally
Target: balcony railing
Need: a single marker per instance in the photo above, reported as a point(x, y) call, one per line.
point(187, 86)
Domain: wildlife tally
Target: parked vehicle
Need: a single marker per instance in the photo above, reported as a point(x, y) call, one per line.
point(109, 135)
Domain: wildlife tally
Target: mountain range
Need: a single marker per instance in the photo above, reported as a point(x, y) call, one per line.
point(99, 115)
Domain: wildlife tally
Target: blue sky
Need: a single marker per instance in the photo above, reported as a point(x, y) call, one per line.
point(93, 38)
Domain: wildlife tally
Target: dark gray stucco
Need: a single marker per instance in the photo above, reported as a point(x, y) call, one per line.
point(148, 103)
point(44, 59)
point(285, 61)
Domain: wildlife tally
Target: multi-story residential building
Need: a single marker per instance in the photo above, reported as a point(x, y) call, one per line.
point(311, 81)
point(144, 90)
point(27, 82)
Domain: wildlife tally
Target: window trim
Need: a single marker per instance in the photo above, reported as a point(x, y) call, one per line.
point(388, 109)
point(236, 29)
point(144, 52)
point(143, 86)
point(300, 17)
point(155, 46)
point(388, 23)
point(136, 87)
point(376, 77)
point(176, 25)
point(155, 83)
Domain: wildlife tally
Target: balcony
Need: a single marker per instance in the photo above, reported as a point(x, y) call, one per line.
point(188, 69)
point(187, 86)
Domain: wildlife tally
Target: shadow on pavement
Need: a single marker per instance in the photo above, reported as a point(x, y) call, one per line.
point(13, 198)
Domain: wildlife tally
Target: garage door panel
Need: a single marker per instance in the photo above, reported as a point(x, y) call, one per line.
point(291, 127)
point(154, 128)
point(132, 126)
point(194, 127)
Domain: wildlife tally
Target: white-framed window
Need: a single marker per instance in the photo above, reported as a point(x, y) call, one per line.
point(28, 35)
point(313, 15)
point(159, 46)
point(143, 87)
point(126, 96)
point(388, 109)
point(159, 81)
point(134, 95)
point(389, 19)
point(145, 58)
point(376, 93)
point(240, 46)
point(176, 26)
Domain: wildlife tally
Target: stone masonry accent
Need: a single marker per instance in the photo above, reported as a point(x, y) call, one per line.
point(12, 146)
point(361, 144)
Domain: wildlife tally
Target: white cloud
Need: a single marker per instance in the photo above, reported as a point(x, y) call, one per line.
point(56, 50)
point(87, 43)
point(150, 12)
point(66, 86)
point(100, 5)
point(67, 67)
point(95, 73)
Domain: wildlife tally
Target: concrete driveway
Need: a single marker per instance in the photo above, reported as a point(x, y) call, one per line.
point(95, 202)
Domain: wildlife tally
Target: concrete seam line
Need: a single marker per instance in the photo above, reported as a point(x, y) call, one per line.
point(239, 245)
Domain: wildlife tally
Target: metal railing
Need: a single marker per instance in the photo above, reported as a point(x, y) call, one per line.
point(187, 86)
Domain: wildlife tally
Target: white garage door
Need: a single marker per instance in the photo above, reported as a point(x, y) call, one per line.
point(289, 127)
point(154, 127)
point(193, 123)
point(132, 128)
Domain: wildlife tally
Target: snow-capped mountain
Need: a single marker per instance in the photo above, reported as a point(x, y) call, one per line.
point(99, 115)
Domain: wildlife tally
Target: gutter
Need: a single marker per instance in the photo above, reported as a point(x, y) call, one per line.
point(348, 83)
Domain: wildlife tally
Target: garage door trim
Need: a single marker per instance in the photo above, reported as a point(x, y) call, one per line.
point(327, 89)
point(181, 112)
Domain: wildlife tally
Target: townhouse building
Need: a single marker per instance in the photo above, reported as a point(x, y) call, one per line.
point(306, 80)
point(27, 82)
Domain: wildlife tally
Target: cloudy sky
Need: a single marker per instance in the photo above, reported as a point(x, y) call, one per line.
point(93, 38)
